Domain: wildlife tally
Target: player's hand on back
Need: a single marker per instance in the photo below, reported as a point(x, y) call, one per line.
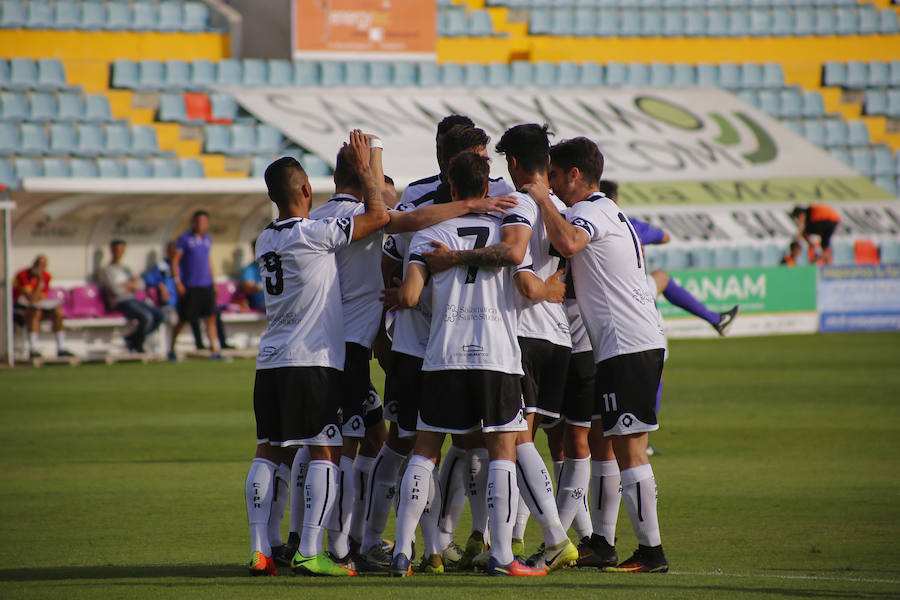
point(493, 204)
point(537, 190)
point(439, 259)
point(556, 287)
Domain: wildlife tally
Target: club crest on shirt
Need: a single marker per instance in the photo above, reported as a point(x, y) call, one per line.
point(641, 296)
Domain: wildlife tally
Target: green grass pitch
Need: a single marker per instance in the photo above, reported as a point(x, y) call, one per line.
point(778, 478)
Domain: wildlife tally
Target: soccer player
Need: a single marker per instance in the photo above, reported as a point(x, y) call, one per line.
point(660, 281)
point(297, 391)
point(820, 220)
point(622, 322)
point(544, 329)
point(30, 287)
point(471, 370)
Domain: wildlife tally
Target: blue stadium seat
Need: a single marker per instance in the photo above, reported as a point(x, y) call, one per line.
point(217, 139)
point(12, 14)
point(117, 16)
point(791, 101)
point(34, 139)
point(545, 74)
point(428, 74)
point(163, 168)
point(83, 167)
point(591, 74)
point(772, 75)
point(268, 140)
point(70, 107)
point(498, 74)
point(879, 75)
point(825, 21)
point(307, 73)
point(863, 161)
point(404, 74)
point(673, 23)
point(521, 73)
point(441, 23)
point(616, 74)
point(143, 16)
point(380, 73)
point(760, 22)
point(701, 257)
point(729, 76)
point(695, 23)
point(890, 249)
point(97, 109)
point(223, 106)
point(770, 102)
point(875, 102)
point(888, 22)
point(177, 75)
point(203, 74)
point(684, 75)
point(562, 21)
point(660, 75)
point(842, 253)
point(13, 106)
point(567, 74)
point(656, 258)
point(63, 139)
point(150, 75)
point(793, 125)
point(585, 22)
point(10, 139)
point(27, 167)
point(629, 23)
point(751, 97)
point(315, 166)
point(452, 74)
point(171, 108)
point(842, 155)
point(814, 131)
point(866, 19)
point(333, 73)
point(676, 258)
point(90, 140)
point(23, 74)
point(771, 255)
point(116, 139)
point(836, 133)
point(884, 160)
point(475, 75)
point(456, 24)
point(813, 105)
point(749, 257)
point(259, 165)
point(651, 23)
point(717, 23)
point(4, 73)
point(170, 17)
point(804, 21)
point(56, 167)
point(539, 22)
point(480, 24)
point(636, 74)
point(857, 75)
point(66, 15)
point(834, 73)
point(751, 75)
point(725, 257)
point(847, 21)
point(858, 134)
point(707, 75)
point(110, 167)
point(228, 73)
point(606, 23)
point(254, 73)
point(243, 140)
point(39, 15)
point(196, 16)
point(137, 167)
point(191, 168)
point(782, 22)
point(41, 107)
point(738, 23)
point(893, 103)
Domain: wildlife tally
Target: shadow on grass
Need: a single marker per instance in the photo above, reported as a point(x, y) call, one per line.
point(460, 582)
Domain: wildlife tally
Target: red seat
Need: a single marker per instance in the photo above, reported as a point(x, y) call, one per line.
point(198, 106)
point(866, 252)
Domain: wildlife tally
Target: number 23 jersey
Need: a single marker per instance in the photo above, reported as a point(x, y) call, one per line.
point(296, 258)
point(473, 309)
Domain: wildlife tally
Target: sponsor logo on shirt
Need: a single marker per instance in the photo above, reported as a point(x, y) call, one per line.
point(641, 296)
point(470, 313)
point(471, 350)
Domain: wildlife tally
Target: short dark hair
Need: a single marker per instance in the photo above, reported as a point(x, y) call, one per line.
point(795, 245)
point(199, 213)
point(459, 139)
point(798, 210)
point(582, 153)
point(279, 179)
point(529, 144)
point(609, 188)
point(345, 176)
point(451, 121)
point(470, 173)
point(116, 242)
point(388, 180)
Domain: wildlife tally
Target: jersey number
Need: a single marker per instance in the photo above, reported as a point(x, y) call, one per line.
point(275, 282)
point(481, 235)
point(637, 247)
point(609, 402)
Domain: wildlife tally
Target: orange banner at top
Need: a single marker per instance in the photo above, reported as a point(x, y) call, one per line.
point(371, 27)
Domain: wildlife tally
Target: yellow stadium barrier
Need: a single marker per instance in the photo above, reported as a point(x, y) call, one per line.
point(110, 45)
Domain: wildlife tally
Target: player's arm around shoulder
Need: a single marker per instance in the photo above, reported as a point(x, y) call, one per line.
point(367, 162)
point(567, 238)
point(420, 218)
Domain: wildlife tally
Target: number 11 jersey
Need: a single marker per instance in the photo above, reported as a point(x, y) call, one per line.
point(296, 258)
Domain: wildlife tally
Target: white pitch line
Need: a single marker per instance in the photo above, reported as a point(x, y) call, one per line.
point(770, 576)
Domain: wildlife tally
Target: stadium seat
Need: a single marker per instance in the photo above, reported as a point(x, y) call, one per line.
point(695, 23)
point(480, 24)
point(545, 74)
point(791, 101)
point(13, 106)
point(865, 252)
point(170, 17)
point(716, 23)
point(12, 14)
point(738, 23)
point(772, 76)
point(847, 22)
point(804, 21)
point(474, 75)
point(243, 139)
point(63, 139)
point(83, 167)
point(455, 23)
point(39, 15)
point(27, 167)
point(771, 255)
point(254, 73)
point(332, 73)
point(7, 174)
point(70, 107)
point(629, 23)
point(452, 74)
point(729, 76)
point(171, 108)
point(90, 140)
point(177, 75)
point(428, 74)
point(725, 257)
point(770, 102)
point(585, 23)
point(217, 139)
point(673, 23)
point(196, 16)
point(110, 167)
point(782, 22)
point(97, 109)
point(888, 22)
point(56, 167)
point(749, 257)
point(841, 154)
point(751, 76)
point(163, 168)
point(66, 15)
point(879, 75)
point(834, 73)
point(857, 75)
point(863, 161)
point(150, 75)
point(890, 251)
point(676, 258)
point(883, 160)
point(191, 168)
point(143, 17)
point(760, 22)
point(307, 73)
point(356, 73)
point(656, 258)
point(814, 131)
point(857, 134)
point(651, 23)
point(590, 74)
point(228, 73)
point(223, 108)
point(606, 24)
point(521, 73)
point(34, 139)
point(824, 21)
point(701, 257)
point(636, 74)
point(751, 97)
point(404, 74)
point(684, 75)
point(117, 16)
point(616, 74)
point(137, 167)
point(4, 73)
point(380, 73)
point(813, 105)
point(258, 166)
point(10, 139)
point(23, 74)
point(268, 140)
point(203, 74)
point(538, 22)
point(125, 74)
point(836, 133)
point(661, 75)
point(707, 75)
point(85, 301)
point(315, 166)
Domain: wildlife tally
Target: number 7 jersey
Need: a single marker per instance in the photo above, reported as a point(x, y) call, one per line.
point(296, 258)
point(473, 318)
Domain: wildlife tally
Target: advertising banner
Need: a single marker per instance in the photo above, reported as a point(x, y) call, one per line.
point(372, 29)
point(772, 300)
point(860, 298)
point(646, 135)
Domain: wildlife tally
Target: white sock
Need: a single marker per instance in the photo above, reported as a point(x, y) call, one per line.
point(639, 496)
point(281, 491)
point(536, 486)
point(605, 493)
point(502, 501)
point(557, 467)
point(430, 517)
point(60, 340)
point(478, 475)
point(582, 523)
point(453, 480)
point(414, 493)
point(381, 495)
point(320, 492)
point(522, 514)
point(362, 466)
point(258, 493)
point(298, 491)
point(573, 489)
point(339, 524)
point(32, 341)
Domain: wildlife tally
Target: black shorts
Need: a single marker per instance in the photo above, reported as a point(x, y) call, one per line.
point(823, 229)
point(297, 405)
point(197, 302)
point(354, 390)
point(402, 391)
point(543, 384)
point(461, 401)
point(578, 405)
point(625, 392)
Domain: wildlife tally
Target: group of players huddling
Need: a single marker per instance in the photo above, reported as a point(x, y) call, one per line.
point(495, 310)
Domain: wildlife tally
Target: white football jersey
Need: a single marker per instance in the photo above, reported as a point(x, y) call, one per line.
point(411, 326)
point(359, 271)
point(542, 320)
point(610, 278)
point(297, 260)
point(473, 324)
